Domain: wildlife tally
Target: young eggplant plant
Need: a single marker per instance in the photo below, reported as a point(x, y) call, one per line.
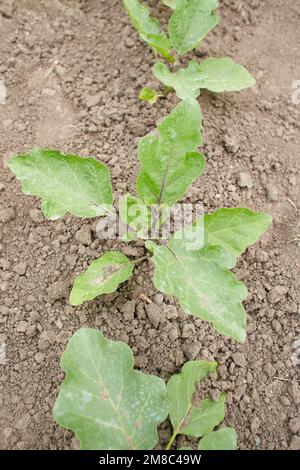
point(189, 23)
point(194, 265)
point(111, 406)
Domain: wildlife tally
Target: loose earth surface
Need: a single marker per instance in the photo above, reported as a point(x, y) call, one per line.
point(73, 70)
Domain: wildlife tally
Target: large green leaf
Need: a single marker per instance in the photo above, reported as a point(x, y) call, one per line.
point(186, 417)
point(216, 75)
point(170, 163)
point(108, 404)
point(103, 276)
point(190, 23)
point(200, 278)
point(148, 28)
point(224, 439)
point(65, 183)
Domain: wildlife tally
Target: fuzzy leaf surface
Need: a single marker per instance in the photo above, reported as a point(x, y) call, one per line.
point(65, 183)
point(108, 404)
point(200, 278)
point(216, 75)
point(190, 23)
point(224, 439)
point(103, 276)
point(148, 28)
point(186, 417)
point(170, 163)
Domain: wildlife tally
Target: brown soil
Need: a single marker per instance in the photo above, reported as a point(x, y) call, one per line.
point(73, 70)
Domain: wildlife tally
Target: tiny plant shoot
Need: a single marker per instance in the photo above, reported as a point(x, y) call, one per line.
point(110, 405)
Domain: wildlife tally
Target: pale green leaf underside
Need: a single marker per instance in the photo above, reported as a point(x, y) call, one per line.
point(148, 27)
point(224, 439)
point(103, 276)
point(200, 278)
point(170, 163)
point(107, 404)
point(190, 23)
point(216, 75)
point(65, 183)
point(148, 95)
point(181, 389)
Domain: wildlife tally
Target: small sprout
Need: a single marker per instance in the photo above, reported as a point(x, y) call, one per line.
point(103, 398)
point(149, 95)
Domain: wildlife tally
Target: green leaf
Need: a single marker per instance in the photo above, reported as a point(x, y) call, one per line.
point(136, 217)
point(170, 3)
point(103, 276)
point(235, 229)
point(170, 163)
point(186, 417)
point(200, 278)
point(148, 28)
point(149, 95)
point(108, 404)
point(224, 439)
point(216, 75)
point(190, 23)
point(65, 183)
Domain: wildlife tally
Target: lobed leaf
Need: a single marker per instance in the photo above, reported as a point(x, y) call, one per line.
point(216, 75)
point(65, 183)
point(103, 276)
point(200, 278)
point(190, 23)
point(170, 163)
point(224, 439)
point(108, 404)
point(148, 28)
point(148, 95)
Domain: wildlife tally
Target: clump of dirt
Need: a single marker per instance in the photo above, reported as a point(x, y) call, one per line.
point(73, 70)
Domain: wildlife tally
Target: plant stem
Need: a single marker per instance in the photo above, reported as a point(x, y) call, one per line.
point(139, 260)
point(174, 435)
